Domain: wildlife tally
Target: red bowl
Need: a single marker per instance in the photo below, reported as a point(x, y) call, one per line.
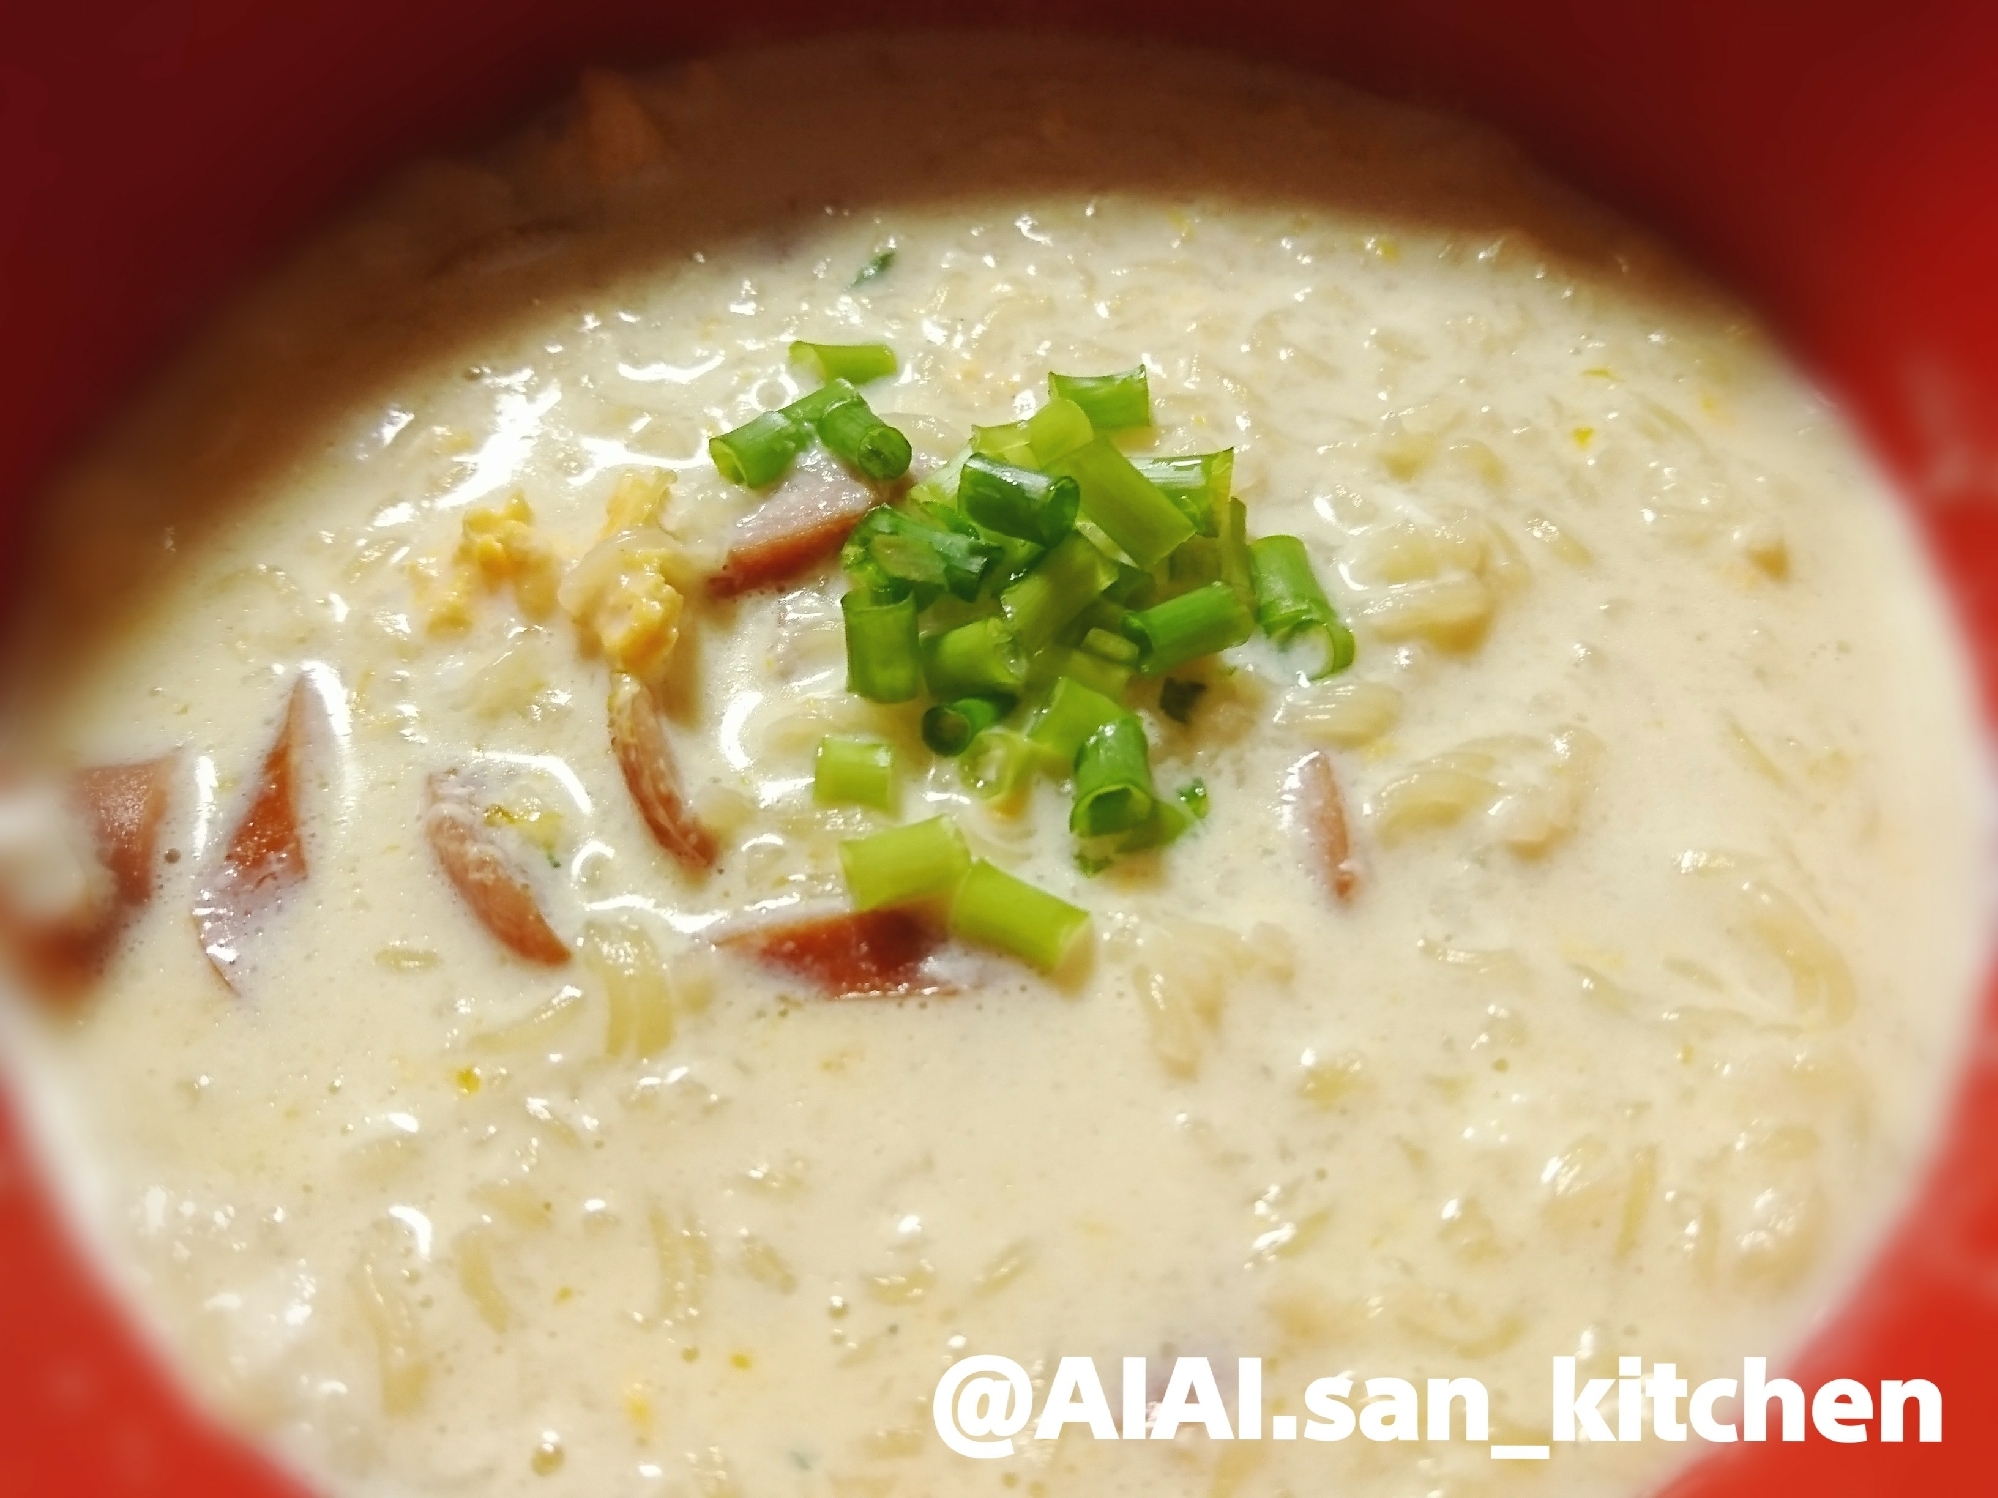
point(1837, 164)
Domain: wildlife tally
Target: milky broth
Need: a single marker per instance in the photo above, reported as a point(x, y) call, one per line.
point(1660, 765)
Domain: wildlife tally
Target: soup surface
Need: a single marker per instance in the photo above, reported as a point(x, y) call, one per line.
point(1656, 758)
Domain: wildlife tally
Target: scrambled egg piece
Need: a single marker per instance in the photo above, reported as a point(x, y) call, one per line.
point(627, 592)
point(498, 547)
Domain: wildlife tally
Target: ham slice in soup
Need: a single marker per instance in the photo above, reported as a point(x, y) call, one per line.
point(849, 954)
point(652, 775)
point(94, 869)
point(486, 876)
point(1318, 809)
point(264, 858)
point(794, 530)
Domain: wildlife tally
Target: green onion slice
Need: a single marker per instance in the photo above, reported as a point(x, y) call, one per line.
point(1194, 624)
point(1056, 430)
point(1000, 763)
point(913, 862)
point(760, 451)
point(1113, 780)
point(860, 439)
point(1110, 401)
point(854, 362)
point(1119, 649)
point(1017, 501)
point(892, 553)
point(994, 909)
point(854, 772)
point(1199, 484)
point(982, 658)
point(1071, 714)
point(883, 655)
point(1290, 601)
point(878, 265)
point(1107, 678)
point(1060, 586)
point(1129, 507)
point(949, 727)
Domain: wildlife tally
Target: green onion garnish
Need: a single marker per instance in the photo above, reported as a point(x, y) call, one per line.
point(1107, 678)
point(913, 862)
point(979, 659)
point(858, 438)
point(1110, 401)
point(854, 772)
point(854, 362)
point(760, 450)
point(1056, 430)
point(1118, 648)
point(1006, 442)
point(877, 266)
point(1017, 501)
point(949, 727)
point(1200, 484)
point(939, 487)
point(1290, 602)
point(883, 656)
point(994, 909)
point(1071, 714)
point(1060, 586)
point(1194, 624)
point(1000, 762)
point(892, 553)
point(1178, 697)
point(1127, 505)
point(1113, 780)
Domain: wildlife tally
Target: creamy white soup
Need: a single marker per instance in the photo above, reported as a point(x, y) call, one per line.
point(474, 1073)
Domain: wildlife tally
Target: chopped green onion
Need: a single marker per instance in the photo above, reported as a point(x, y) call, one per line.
point(1000, 763)
point(940, 485)
point(876, 267)
point(893, 553)
point(1178, 697)
point(1196, 563)
point(1060, 586)
point(1113, 780)
point(1236, 571)
point(860, 439)
point(883, 656)
point(1007, 442)
point(994, 909)
point(1135, 588)
point(1290, 602)
point(1170, 818)
point(1116, 648)
point(854, 772)
point(1017, 501)
point(1194, 624)
point(949, 727)
point(854, 362)
point(760, 450)
point(1056, 430)
point(1071, 714)
point(1126, 504)
point(811, 407)
point(1110, 401)
point(1199, 483)
point(1193, 795)
point(1093, 671)
point(982, 658)
point(912, 862)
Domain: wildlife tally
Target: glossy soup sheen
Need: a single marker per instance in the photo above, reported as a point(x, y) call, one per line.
point(1656, 750)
